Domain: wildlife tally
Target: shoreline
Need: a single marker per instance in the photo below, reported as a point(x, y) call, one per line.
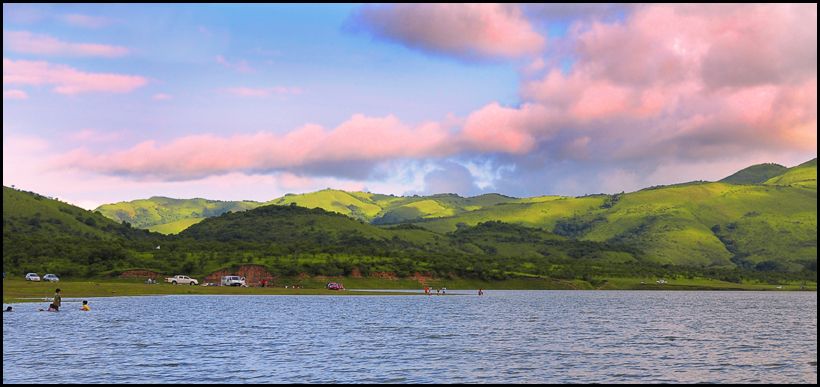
point(20, 291)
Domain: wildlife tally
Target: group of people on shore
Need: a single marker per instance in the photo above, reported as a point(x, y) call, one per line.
point(429, 291)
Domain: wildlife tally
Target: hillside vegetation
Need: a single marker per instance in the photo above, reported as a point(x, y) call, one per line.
point(169, 216)
point(803, 175)
point(44, 235)
point(288, 241)
point(714, 229)
point(756, 174)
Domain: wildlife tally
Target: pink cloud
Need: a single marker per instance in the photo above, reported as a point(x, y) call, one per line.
point(29, 43)
point(648, 87)
point(65, 79)
point(467, 31)
point(14, 94)
point(722, 45)
point(161, 97)
point(241, 66)
point(360, 138)
point(86, 21)
point(262, 91)
point(495, 128)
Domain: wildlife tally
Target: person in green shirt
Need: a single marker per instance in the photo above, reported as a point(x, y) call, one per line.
point(58, 300)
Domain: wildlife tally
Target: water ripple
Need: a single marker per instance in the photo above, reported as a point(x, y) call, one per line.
point(502, 337)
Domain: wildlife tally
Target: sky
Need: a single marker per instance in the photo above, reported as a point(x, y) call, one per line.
point(107, 103)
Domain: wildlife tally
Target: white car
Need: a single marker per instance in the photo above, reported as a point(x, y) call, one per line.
point(32, 277)
point(233, 280)
point(51, 278)
point(182, 280)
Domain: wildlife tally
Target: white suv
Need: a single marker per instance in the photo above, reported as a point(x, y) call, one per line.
point(32, 277)
point(234, 280)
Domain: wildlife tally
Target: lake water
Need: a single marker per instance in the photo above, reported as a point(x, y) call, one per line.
point(503, 337)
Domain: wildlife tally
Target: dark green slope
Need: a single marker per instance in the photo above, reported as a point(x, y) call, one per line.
point(42, 234)
point(756, 174)
point(314, 240)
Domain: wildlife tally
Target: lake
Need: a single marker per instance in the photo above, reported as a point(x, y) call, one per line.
point(501, 337)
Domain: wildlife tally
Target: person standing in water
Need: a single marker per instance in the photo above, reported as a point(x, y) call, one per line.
point(58, 301)
point(480, 292)
point(85, 307)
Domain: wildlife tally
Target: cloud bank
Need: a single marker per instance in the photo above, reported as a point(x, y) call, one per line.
point(466, 31)
point(662, 86)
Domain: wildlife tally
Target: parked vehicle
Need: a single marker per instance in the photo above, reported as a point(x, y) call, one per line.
point(233, 280)
point(32, 277)
point(51, 278)
point(335, 286)
point(182, 280)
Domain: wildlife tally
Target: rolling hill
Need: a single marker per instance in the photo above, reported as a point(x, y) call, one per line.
point(709, 224)
point(42, 234)
point(756, 174)
point(803, 175)
point(752, 219)
point(170, 216)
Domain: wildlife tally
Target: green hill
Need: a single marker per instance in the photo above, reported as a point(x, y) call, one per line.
point(389, 209)
point(292, 239)
point(688, 224)
point(358, 205)
point(171, 216)
point(803, 175)
point(44, 235)
point(712, 230)
point(175, 227)
point(168, 215)
point(736, 223)
point(756, 174)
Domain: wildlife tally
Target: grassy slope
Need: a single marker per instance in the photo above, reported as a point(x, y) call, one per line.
point(311, 238)
point(534, 214)
point(701, 224)
point(513, 250)
point(388, 209)
point(41, 234)
point(175, 227)
point(357, 207)
point(157, 210)
point(27, 212)
point(803, 175)
point(756, 174)
point(674, 224)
